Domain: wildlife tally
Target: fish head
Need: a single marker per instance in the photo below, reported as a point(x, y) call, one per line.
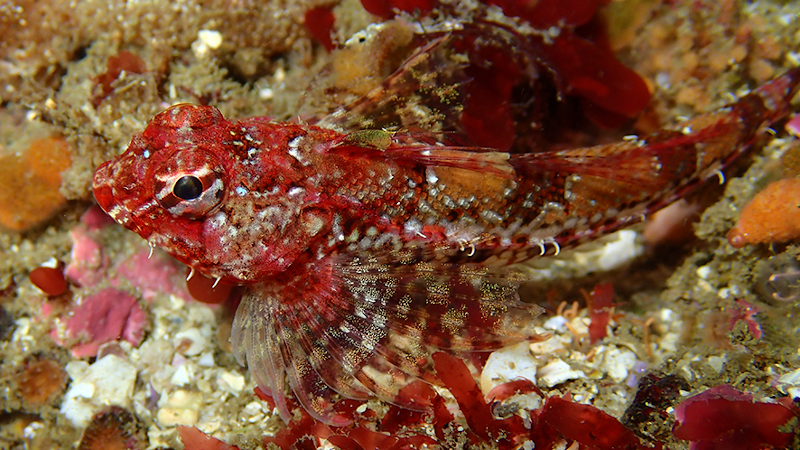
point(184, 186)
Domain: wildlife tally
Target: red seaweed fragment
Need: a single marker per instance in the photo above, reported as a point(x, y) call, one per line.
point(557, 422)
point(575, 64)
point(512, 388)
point(319, 22)
point(397, 418)
point(487, 117)
point(124, 61)
point(458, 379)
point(587, 425)
point(724, 418)
point(602, 300)
point(49, 280)
point(582, 59)
point(194, 439)
point(543, 14)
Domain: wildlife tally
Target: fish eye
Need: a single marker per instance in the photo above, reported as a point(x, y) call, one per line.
point(189, 184)
point(188, 187)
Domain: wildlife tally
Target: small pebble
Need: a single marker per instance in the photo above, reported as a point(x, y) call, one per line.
point(180, 408)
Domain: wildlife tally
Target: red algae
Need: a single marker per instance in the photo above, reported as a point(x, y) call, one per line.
point(95, 218)
point(602, 300)
point(122, 62)
point(194, 439)
point(319, 22)
point(724, 418)
point(588, 425)
point(49, 280)
point(559, 420)
point(575, 63)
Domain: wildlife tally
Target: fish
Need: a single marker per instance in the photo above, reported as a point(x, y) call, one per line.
point(364, 249)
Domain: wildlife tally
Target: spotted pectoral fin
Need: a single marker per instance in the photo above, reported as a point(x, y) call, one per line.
point(353, 326)
point(275, 337)
point(256, 343)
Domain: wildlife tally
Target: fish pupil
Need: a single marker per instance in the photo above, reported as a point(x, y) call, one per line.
point(188, 188)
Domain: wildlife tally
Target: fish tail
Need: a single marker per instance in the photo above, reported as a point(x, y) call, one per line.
point(620, 183)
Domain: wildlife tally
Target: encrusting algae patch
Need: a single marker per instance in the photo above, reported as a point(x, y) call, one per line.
point(30, 183)
point(683, 331)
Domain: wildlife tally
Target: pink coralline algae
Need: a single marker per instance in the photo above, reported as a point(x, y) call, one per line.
point(111, 313)
point(96, 219)
point(153, 274)
point(88, 264)
point(105, 316)
point(723, 418)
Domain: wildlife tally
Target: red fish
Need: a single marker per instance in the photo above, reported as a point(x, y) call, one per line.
point(366, 250)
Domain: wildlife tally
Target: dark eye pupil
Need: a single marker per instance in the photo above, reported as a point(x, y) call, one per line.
point(188, 188)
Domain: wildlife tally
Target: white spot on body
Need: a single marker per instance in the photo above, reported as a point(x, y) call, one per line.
point(294, 152)
point(295, 191)
point(430, 175)
point(217, 221)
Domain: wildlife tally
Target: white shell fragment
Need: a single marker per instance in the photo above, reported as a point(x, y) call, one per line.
point(109, 381)
point(508, 364)
point(558, 372)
